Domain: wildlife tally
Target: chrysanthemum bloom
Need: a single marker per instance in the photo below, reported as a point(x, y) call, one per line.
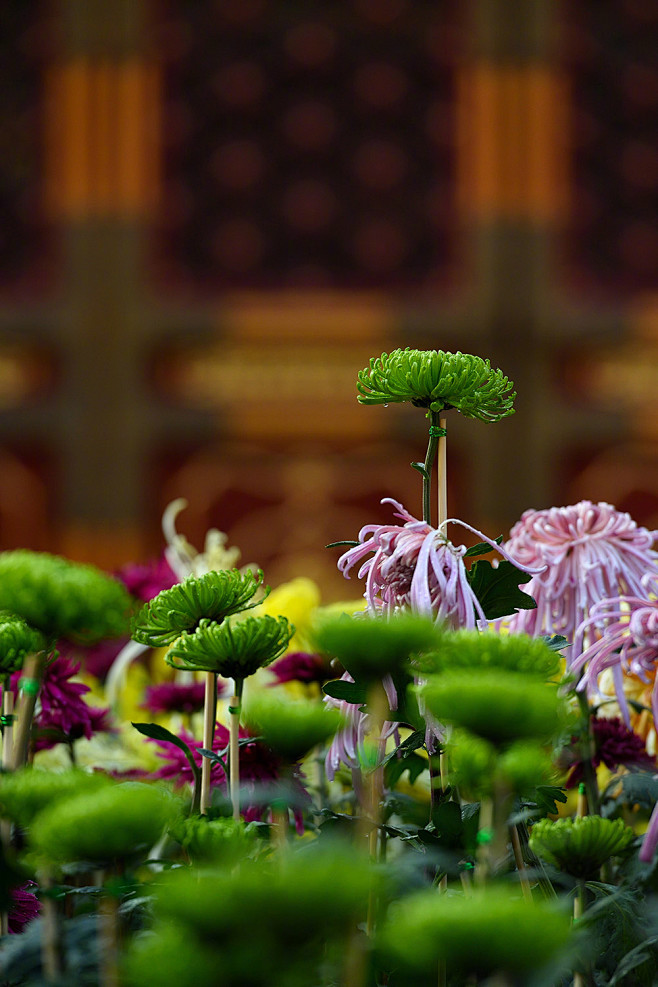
point(174, 697)
point(146, 579)
point(300, 666)
point(414, 566)
point(258, 768)
point(183, 558)
point(63, 716)
point(25, 907)
point(615, 745)
point(348, 745)
point(590, 552)
point(627, 645)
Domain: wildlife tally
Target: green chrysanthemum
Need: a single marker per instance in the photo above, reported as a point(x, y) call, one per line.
point(478, 651)
point(291, 727)
point(580, 846)
point(25, 793)
point(438, 381)
point(17, 640)
point(114, 824)
point(233, 651)
point(501, 706)
point(223, 842)
point(487, 932)
point(63, 599)
point(371, 647)
point(477, 765)
point(211, 597)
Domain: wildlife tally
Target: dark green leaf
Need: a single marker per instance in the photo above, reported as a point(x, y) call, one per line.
point(556, 642)
point(412, 763)
point(421, 469)
point(498, 589)
point(548, 796)
point(448, 825)
point(638, 788)
point(645, 953)
point(349, 692)
point(157, 732)
point(336, 544)
point(481, 548)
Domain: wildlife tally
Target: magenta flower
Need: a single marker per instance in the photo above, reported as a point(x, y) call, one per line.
point(62, 715)
point(174, 697)
point(25, 906)
point(615, 745)
point(298, 666)
point(259, 768)
point(590, 552)
point(627, 645)
point(415, 566)
point(146, 579)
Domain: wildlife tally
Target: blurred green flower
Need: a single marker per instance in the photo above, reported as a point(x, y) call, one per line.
point(211, 597)
point(25, 793)
point(488, 932)
point(525, 765)
point(290, 727)
point(103, 827)
point(481, 650)
point(501, 706)
point(472, 763)
point(224, 842)
point(63, 599)
point(233, 651)
point(17, 640)
point(582, 845)
point(370, 647)
point(438, 381)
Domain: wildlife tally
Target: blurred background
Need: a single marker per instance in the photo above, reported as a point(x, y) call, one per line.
point(213, 212)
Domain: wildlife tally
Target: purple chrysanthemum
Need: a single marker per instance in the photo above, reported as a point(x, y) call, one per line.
point(299, 666)
point(415, 566)
point(62, 715)
point(174, 697)
point(590, 552)
point(259, 768)
point(146, 579)
point(615, 745)
point(627, 645)
point(25, 907)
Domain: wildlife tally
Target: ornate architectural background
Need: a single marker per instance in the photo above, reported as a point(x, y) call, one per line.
point(214, 213)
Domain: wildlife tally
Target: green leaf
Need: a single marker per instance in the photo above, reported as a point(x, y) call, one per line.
point(481, 548)
point(420, 467)
point(548, 796)
point(638, 788)
point(447, 819)
point(498, 589)
point(157, 732)
point(556, 642)
point(336, 544)
point(348, 692)
point(645, 952)
point(414, 764)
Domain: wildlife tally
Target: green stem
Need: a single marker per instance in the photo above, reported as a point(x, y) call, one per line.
point(430, 457)
point(589, 773)
point(234, 746)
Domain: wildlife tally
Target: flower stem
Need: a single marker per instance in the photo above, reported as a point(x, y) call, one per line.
point(589, 773)
point(428, 467)
point(29, 686)
point(209, 717)
point(234, 746)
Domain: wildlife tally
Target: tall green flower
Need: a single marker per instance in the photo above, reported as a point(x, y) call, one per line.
point(63, 599)
point(580, 846)
point(438, 381)
point(211, 597)
point(233, 651)
point(17, 640)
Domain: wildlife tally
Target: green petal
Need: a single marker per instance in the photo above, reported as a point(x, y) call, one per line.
point(233, 651)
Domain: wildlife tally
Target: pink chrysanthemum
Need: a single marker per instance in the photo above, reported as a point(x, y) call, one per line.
point(590, 552)
point(627, 645)
point(347, 746)
point(415, 566)
point(259, 768)
point(25, 907)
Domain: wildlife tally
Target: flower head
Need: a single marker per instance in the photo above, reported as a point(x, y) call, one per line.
point(184, 559)
point(176, 697)
point(590, 552)
point(232, 650)
point(438, 381)
point(211, 597)
point(146, 579)
point(626, 643)
point(17, 640)
point(615, 745)
point(300, 666)
point(349, 743)
point(581, 845)
point(25, 906)
point(63, 599)
point(414, 566)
